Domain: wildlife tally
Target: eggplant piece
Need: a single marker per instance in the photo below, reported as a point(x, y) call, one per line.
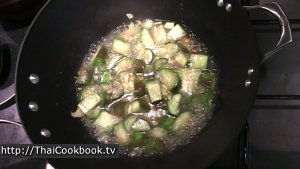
point(127, 80)
point(176, 33)
point(189, 80)
point(159, 34)
point(140, 125)
point(148, 56)
point(166, 94)
point(104, 88)
point(158, 132)
point(123, 136)
point(128, 122)
point(94, 113)
point(169, 25)
point(173, 104)
point(159, 63)
point(146, 39)
point(138, 50)
point(169, 78)
point(77, 113)
point(153, 89)
point(138, 106)
point(198, 61)
point(88, 90)
point(107, 120)
point(89, 103)
point(112, 60)
point(181, 59)
point(148, 23)
point(125, 64)
point(167, 51)
point(144, 54)
point(121, 47)
point(181, 121)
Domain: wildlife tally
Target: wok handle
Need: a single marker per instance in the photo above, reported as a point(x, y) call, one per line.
point(286, 34)
point(11, 122)
point(7, 95)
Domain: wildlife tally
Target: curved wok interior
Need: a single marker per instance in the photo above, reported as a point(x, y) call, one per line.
point(63, 31)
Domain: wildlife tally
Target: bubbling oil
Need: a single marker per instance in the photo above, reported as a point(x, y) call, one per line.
point(201, 116)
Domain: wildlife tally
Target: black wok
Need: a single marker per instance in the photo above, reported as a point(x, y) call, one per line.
point(60, 37)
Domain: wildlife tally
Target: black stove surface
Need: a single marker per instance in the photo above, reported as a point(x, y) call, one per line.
point(271, 139)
